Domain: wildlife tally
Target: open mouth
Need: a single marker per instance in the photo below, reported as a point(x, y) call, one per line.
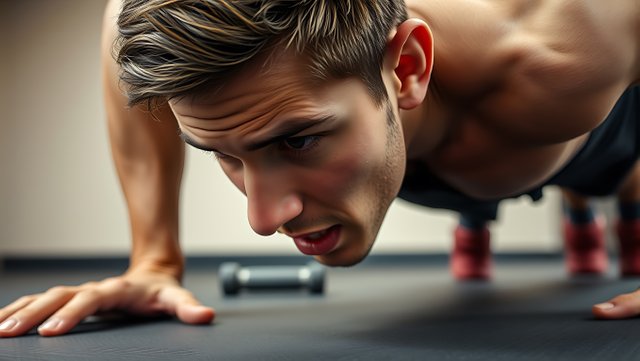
point(318, 243)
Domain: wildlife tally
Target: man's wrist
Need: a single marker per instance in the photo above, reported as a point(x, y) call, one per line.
point(172, 266)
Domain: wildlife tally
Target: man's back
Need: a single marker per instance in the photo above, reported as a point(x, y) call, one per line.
point(522, 83)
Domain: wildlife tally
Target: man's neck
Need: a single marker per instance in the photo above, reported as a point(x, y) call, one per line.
point(426, 126)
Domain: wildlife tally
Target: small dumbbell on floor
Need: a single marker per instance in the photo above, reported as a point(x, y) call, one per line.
point(235, 278)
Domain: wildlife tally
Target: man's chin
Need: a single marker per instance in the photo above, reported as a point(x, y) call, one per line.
point(342, 258)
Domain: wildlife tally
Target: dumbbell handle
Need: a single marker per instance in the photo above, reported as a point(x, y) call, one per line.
point(273, 277)
point(234, 277)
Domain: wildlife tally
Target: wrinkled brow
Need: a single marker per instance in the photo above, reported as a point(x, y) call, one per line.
point(284, 130)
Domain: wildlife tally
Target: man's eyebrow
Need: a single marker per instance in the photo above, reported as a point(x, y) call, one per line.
point(192, 143)
point(289, 129)
point(285, 130)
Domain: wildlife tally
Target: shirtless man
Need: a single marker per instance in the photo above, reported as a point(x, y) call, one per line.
point(468, 102)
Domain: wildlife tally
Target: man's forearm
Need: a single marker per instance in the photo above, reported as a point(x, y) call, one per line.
point(149, 159)
point(152, 193)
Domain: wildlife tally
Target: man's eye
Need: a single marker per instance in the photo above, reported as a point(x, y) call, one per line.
point(301, 143)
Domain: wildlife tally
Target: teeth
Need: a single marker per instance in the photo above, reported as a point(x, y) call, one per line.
point(315, 236)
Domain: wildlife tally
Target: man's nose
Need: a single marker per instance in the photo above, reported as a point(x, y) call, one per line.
point(272, 201)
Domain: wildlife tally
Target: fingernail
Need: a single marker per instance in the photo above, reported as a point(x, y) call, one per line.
point(8, 324)
point(50, 324)
point(605, 306)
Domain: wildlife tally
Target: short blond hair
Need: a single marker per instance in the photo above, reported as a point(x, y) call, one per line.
point(171, 48)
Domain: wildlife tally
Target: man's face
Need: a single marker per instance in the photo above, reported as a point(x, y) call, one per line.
point(320, 164)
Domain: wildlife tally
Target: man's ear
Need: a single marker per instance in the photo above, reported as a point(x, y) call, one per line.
point(409, 53)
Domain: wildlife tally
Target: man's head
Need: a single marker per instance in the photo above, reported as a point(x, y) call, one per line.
point(299, 116)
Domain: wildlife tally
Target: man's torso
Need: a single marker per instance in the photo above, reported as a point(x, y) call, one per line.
point(522, 83)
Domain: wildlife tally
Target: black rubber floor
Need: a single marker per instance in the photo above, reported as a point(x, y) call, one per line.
point(530, 311)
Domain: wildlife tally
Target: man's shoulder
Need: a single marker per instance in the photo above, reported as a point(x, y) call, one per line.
point(544, 75)
point(562, 45)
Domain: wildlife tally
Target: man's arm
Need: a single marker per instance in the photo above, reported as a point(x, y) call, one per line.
point(149, 160)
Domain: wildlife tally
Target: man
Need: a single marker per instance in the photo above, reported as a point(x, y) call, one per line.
point(321, 112)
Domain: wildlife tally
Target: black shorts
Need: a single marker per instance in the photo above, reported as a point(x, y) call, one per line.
point(597, 169)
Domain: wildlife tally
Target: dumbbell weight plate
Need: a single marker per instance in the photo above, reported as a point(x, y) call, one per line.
point(316, 277)
point(228, 276)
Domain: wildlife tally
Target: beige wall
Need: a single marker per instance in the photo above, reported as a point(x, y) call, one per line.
point(59, 192)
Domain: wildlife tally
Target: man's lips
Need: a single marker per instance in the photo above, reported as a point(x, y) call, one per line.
point(318, 243)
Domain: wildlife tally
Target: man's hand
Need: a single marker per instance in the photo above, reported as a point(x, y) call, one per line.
point(623, 306)
point(61, 308)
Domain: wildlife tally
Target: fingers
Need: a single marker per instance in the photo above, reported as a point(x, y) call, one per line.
point(26, 313)
point(84, 304)
point(15, 306)
point(195, 314)
point(185, 306)
point(622, 306)
point(7, 323)
point(60, 309)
